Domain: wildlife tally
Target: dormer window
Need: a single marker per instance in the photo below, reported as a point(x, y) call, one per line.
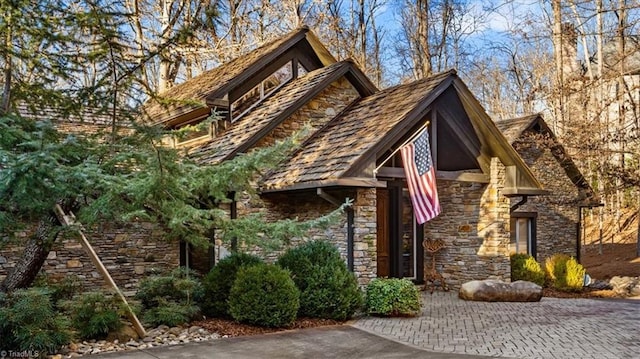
point(261, 91)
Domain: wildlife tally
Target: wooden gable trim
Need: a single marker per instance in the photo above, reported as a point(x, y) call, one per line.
point(460, 176)
point(392, 137)
point(260, 64)
point(339, 182)
point(467, 143)
point(495, 144)
point(344, 68)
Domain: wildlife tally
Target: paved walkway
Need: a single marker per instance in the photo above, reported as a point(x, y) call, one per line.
point(551, 328)
point(327, 342)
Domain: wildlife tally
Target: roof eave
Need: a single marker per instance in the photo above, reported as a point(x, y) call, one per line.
point(358, 182)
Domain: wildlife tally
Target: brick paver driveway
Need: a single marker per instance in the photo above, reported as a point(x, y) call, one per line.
point(551, 328)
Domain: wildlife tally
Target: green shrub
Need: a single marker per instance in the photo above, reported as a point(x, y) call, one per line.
point(327, 288)
point(392, 297)
point(525, 267)
point(565, 273)
point(95, 314)
point(218, 282)
point(28, 322)
point(170, 299)
point(557, 260)
point(575, 275)
point(264, 295)
point(170, 313)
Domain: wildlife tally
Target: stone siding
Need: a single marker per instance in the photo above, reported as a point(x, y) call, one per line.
point(308, 205)
point(129, 252)
point(474, 223)
point(557, 212)
point(316, 113)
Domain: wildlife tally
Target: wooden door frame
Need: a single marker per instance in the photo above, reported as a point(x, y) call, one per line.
point(394, 220)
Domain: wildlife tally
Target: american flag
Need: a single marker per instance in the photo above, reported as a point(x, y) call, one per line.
point(421, 178)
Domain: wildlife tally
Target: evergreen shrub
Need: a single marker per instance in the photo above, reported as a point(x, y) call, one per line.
point(525, 267)
point(95, 314)
point(29, 322)
point(218, 282)
point(392, 297)
point(327, 288)
point(566, 273)
point(264, 295)
point(171, 299)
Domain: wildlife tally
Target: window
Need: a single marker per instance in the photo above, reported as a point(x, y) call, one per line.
point(523, 233)
point(258, 93)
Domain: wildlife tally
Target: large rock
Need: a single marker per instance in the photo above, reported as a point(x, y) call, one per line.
point(625, 286)
point(492, 290)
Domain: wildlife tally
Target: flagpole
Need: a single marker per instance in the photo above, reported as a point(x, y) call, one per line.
point(416, 134)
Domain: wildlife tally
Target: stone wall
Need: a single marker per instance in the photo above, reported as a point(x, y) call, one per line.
point(557, 212)
point(307, 205)
point(129, 252)
point(474, 223)
point(316, 113)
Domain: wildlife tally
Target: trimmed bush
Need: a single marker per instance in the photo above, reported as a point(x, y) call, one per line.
point(218, 282)
point(95, 314)
point(525, 267)
point(558, 260)
point(264, 295)
point(28, 322)
point(171, 299)
point(565, 272)
point(327, 288)
point(392, 297)
point(575, 276)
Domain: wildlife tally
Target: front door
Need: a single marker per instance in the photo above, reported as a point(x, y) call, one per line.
point(399, 242)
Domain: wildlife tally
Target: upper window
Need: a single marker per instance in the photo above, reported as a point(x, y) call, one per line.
point(258, 93)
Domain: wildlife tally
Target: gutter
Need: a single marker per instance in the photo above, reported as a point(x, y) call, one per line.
point(350, 220)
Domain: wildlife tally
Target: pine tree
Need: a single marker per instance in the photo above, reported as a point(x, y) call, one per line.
point(120, 174)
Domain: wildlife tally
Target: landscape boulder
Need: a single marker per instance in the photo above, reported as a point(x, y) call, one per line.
point(492, 290)
point(625, 286)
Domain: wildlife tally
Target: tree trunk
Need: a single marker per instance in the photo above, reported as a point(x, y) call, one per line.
point(33, 256)
point(6, 90)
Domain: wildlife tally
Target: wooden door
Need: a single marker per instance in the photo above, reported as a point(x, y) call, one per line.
point(382, 226)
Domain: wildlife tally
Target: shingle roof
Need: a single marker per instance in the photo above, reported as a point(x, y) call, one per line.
point(268, 113)
point(513, 128)
point(193, 93)
point(353, 134)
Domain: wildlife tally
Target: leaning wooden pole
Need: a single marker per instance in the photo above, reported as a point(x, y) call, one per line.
point(69, 220)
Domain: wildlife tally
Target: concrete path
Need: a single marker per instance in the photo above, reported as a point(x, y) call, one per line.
point(551, 328)
point(326, 342)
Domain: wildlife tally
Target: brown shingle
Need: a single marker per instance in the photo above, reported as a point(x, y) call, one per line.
point(192, 94)
point(250, 125)
point(333, 151)
point(514, 127)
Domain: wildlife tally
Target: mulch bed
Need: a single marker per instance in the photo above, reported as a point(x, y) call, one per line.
point(229, 328)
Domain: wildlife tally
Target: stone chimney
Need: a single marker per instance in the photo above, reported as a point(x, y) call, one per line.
point(570, 65)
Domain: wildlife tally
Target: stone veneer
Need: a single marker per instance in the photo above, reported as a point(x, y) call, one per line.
point(474, 223)
point(129, 252)
point(316, 113)
point(307, 205)
point(557, 212)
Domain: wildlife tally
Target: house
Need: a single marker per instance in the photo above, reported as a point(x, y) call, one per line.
point(545, 225)
point(351, 153)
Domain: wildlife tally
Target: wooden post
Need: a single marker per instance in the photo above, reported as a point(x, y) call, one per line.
point(68, 220)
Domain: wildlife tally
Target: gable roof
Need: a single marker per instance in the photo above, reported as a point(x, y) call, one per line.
point(213, 84)
point(515, 128)
point(350, 143)
point(248, 130)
